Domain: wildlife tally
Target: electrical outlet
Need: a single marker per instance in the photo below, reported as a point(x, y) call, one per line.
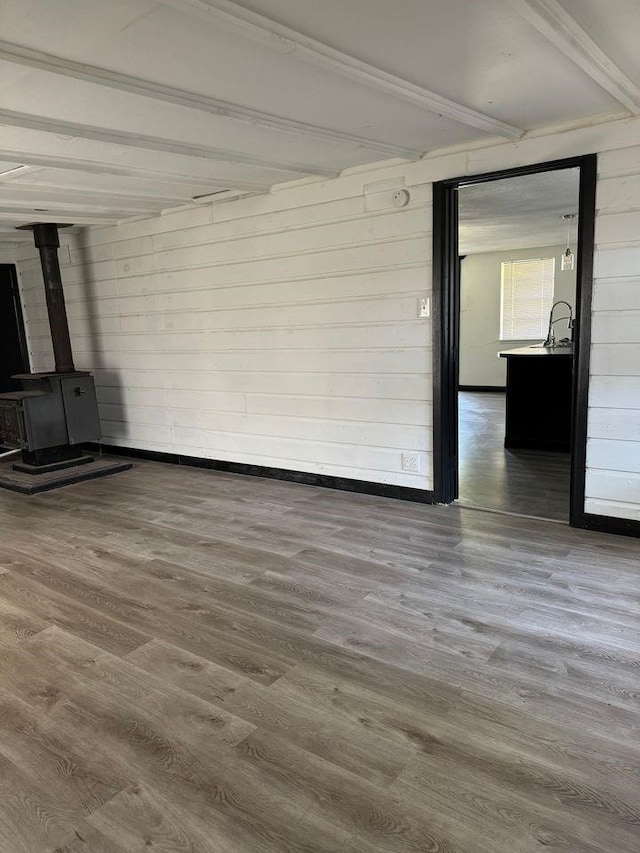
point(411, 463)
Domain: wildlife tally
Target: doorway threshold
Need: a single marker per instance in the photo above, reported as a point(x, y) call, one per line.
point(468, 505)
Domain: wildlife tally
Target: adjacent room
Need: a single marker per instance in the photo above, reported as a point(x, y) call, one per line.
point(518, 248)
point(319, 426)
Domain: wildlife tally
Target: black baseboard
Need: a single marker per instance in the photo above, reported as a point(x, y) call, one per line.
point(609, 524)
point(345, 484)
point(495, 389)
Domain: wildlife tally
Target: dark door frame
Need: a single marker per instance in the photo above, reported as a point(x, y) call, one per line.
point(446, 323)
point(9, 272)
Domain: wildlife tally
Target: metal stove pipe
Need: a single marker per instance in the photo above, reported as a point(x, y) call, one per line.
point(45, 235)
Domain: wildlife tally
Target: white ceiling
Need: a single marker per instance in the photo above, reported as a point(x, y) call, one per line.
point(518, 213)
point(128, 107)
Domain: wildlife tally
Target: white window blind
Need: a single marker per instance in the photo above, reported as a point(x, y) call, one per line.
point(526, 298)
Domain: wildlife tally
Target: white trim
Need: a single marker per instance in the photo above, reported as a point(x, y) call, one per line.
point(124, 82)
point(100, 167)
point(563, 31)
point(152, 143)
point(299, 46)
point(53, 192)
point(9, 216)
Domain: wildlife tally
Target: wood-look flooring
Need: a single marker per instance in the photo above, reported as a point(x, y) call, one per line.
point(195, 661)
point(525, 482)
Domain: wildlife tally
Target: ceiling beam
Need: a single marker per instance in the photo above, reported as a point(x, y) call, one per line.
point(50, 191)
point(10, 215)
point(53, 190)
point(99, 167)
point(562, 30)
point(42, 196)
point(64, 207)
point(114, 80)
point(299, 46)
point(153, 143)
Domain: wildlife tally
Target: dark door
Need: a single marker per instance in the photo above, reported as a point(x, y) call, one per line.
point(13, 355)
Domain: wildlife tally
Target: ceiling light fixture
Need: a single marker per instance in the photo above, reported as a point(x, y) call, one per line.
point(568, 257)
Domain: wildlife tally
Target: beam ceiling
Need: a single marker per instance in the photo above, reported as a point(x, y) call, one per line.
point(551, 19)
point(302, 47)
point(112, 110)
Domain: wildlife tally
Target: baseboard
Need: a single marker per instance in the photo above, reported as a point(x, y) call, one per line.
point(495, 389)
point(610, 524)
point(345, 484)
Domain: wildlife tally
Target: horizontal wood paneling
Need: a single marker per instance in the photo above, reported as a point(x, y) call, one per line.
point(618, 486)
point(618, 193)
point(314, 430)
point(622, 161)
point(613, 448)
point(280, 330)
point(612, 509)
point(382, 387)
point(615, 392)
point(8, 253)
point(617, 262)
point(614, 455)
point(617, 294)
point(616, 327)
point(614, 423)
point(191, 292)
point(379, 411)
point(615, 359)
point(614, 227)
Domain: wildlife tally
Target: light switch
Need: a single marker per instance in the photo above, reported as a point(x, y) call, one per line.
point(424, 307)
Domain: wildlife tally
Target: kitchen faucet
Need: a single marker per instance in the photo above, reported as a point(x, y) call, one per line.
point(550, 340)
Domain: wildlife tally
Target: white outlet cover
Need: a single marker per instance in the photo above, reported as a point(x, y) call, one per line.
point(411, 462)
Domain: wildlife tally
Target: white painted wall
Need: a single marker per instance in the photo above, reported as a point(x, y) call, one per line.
point(613, 449)
point(480, 285)
point(281, 329)
point(8, 253)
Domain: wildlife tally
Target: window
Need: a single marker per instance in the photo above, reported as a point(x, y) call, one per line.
point(526, 298)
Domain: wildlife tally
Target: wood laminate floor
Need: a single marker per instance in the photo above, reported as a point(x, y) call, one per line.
point(527, 482)
point(195, 661)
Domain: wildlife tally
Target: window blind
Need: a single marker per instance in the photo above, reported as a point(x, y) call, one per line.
point(526, 298)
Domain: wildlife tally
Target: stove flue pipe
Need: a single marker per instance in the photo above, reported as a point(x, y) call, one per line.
point(45, 235)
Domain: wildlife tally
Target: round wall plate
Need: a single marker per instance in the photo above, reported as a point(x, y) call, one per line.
point(401, 198)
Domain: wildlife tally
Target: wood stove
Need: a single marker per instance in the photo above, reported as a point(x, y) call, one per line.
point(49, 418)
point(54, 413)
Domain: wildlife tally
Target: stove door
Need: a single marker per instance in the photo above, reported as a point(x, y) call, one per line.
point(12, 431)
point(81, 409)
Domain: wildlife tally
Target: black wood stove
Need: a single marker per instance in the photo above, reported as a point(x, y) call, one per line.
point(54, 413)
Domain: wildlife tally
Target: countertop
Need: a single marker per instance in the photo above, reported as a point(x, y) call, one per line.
point(536, 351)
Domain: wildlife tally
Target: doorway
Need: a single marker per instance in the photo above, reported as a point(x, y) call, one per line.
point(510, 431)
point(13, 346)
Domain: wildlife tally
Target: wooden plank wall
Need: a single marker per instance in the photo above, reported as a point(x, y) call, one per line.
point(282, 330)
point(613, 450)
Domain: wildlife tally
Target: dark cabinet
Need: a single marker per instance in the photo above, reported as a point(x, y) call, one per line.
point(539, 398)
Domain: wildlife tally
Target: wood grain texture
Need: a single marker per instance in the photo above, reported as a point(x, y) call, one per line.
point(197, 661)
point(529, 482)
